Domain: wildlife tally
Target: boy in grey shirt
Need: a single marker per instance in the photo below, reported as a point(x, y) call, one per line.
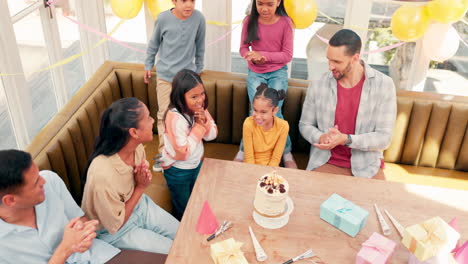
point(179, 38)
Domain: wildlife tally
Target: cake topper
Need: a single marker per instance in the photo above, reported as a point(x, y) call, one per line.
point(383, 224)
point(398, 226)
point(259, 252)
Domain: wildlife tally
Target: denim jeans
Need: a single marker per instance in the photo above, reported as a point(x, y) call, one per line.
point(180, 183)
point(277, 80)
point(149, 228)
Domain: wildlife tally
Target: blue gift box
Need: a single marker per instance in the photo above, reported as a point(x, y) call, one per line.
point(343, 214)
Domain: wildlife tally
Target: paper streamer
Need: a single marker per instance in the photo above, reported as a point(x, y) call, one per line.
point(90, 29)
point(71, 58)
point(462, 40)
point(352, 26)
point(370, 51)
point(329, 17)
point(216, 23)
point(222, 37)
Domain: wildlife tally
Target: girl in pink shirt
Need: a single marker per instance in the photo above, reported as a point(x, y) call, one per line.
point(267, 46)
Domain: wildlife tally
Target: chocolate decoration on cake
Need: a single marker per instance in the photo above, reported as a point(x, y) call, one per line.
point(271, 194)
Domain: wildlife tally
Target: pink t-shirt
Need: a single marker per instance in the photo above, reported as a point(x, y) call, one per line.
point(275, 43)
point(347, 107)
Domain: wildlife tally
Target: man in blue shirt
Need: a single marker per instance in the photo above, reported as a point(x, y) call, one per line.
point(39, 220)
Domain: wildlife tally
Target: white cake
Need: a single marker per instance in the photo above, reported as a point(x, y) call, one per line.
point(270, 196)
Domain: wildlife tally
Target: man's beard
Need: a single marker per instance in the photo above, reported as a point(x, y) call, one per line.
point(345, 71)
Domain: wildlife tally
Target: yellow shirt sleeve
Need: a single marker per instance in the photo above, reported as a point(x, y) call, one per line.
point(282, 135)
point(247, 135)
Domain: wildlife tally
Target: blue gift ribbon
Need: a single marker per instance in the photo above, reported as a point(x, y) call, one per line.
point(342, 210)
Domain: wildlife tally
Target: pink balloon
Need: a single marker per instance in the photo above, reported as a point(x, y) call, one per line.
point(441, 42)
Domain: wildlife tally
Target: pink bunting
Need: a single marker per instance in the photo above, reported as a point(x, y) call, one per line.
point(370, 51)
point(207, 223)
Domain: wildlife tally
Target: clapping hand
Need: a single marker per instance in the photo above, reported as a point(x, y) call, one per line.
point(142, 175)
point(331, 139)
point(78, 236)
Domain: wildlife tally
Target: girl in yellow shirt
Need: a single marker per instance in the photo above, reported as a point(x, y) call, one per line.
point(265, 134)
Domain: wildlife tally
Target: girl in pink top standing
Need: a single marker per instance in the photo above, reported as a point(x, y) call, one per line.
point(267, 46)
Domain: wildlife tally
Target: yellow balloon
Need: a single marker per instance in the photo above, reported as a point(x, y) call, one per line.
point(302, 12)
point(447, 11)
point(157, 6)
point(126, 9)
point(409, 23)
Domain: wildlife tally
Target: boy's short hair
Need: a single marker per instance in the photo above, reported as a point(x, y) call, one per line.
point(348, 38)
point(13, 163)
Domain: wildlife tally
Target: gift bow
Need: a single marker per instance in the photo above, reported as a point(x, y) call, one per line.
point(341, 210)
point(379, 248)
point(434, 238)
point(230, 252)
point(435, 234)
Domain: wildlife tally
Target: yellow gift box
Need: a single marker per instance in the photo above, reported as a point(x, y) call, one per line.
point(228, 252)
point(430, 238)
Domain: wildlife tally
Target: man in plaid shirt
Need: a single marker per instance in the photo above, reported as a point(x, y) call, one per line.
point(349, 114)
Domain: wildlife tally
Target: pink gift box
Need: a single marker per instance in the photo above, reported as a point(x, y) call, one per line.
point(376, 250)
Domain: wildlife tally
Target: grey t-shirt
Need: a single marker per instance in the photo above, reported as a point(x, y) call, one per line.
point(179, 43)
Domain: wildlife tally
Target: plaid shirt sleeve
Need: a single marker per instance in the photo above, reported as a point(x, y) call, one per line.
point(308, 124)
point(384, 113)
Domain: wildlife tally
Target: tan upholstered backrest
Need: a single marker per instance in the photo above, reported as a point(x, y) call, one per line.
point(431, 130)
point(67, 141)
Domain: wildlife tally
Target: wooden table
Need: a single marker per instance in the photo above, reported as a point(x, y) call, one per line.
point(229, 187)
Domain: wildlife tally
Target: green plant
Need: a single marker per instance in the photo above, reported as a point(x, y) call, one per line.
point(383, 37)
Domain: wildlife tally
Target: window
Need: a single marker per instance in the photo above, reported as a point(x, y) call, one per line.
point(70, 44)
point(451, 76)
point(16, 6)
point(379, 37)
point(35, 57)
point(8, 139)
point(329, 20)
point(132, 32)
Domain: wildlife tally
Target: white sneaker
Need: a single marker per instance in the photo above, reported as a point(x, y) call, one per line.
point(157, 167)
point(157, 163)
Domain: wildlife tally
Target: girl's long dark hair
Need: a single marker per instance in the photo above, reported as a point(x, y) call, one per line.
point(184, 81)
point(252, 27)
point(113, 135)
